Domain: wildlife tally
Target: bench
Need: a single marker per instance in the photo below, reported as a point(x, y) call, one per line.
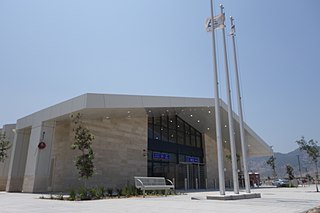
point(153, 183)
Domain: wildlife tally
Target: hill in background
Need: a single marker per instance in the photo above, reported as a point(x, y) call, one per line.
point(258, 164)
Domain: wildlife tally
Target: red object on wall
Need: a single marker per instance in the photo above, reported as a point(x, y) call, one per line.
point(42, 145)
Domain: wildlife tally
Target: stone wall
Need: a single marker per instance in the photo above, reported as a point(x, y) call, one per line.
point(119, 148)
point(211, 161)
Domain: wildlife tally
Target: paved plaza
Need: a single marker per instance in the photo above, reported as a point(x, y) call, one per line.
point(273, 200)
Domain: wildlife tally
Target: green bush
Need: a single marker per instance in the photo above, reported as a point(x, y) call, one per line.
point(84, 194)
point(130, 191)
point(101, 192)
point(72, 195)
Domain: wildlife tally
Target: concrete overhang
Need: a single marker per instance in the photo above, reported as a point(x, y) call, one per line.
point(199, 112)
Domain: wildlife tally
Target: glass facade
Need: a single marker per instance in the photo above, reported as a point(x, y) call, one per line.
point(175, 150)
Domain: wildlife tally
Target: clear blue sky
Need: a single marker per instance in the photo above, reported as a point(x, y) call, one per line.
point(51, 51)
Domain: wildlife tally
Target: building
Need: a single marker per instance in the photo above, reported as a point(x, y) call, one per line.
point(172, 137)
point(8, 130)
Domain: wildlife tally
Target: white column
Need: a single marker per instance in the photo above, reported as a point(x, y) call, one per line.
point(18, 160)
point(37, 173)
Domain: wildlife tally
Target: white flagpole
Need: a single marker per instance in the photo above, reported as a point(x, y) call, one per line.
point(217, 109)
point(230, 117)
point(242, 134)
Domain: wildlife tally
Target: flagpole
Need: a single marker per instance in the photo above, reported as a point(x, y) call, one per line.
point(217, 109)
point(230, 117)
point(242, 134)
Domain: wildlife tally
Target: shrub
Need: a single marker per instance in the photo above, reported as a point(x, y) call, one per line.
point(72, 195)
point(101, 192)
point(84, 194)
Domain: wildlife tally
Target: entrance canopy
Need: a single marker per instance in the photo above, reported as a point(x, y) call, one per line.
point(198, 112)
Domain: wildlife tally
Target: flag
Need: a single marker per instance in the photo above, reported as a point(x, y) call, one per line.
point(218, 22)
point(233, 30)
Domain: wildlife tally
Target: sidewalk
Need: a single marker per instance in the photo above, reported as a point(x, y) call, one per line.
point(273, 200)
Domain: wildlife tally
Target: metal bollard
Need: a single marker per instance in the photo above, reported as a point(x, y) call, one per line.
point(197, 185)
point(185, 184)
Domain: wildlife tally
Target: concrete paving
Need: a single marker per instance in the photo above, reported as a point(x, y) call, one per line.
point(272, 200)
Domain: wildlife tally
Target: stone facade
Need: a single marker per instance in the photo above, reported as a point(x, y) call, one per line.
point(210, 153)
point(119, 147)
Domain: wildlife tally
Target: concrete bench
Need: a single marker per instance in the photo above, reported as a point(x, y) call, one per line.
point(153, 183)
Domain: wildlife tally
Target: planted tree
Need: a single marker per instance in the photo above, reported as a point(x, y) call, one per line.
point(289, 171)
point(312, 149)
point(83, 139)
point(4, 147)
point(272, 163)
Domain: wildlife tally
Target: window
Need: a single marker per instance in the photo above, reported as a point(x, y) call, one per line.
point(193, 137)
point(174, 130)
point(198, 140)
point(150, 127)
point(187, 134)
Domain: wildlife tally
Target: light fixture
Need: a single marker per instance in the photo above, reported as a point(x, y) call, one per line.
point(107, 117)
point(170, 121)
point(198, 121)
point(225, 126)
point(149, 110)
point(208, 128)
point(128, 112)
point(209, 111)
point(190, 115)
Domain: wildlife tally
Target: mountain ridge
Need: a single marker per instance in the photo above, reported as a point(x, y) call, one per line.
point(258, 164)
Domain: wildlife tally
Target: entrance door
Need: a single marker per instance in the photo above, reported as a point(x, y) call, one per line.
point(190, 176)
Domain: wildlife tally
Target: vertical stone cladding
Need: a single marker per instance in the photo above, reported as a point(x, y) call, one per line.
point(18, 160)
point(119, 147)
point(211, 161)
point(227, 165)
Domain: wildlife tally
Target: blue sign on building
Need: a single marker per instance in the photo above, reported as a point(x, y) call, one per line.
point(163, 156)
point(192, 159)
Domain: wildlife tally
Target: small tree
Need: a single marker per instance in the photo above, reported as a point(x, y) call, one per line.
point(4, 147)
point(82, 141)
point(312, 149)
point(289, 171)
point(272, 163)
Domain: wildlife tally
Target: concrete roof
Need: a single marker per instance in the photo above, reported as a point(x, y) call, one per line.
point(199, 112)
